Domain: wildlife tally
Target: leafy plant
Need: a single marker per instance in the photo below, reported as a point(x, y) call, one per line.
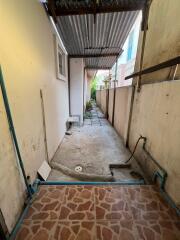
point(88, 106)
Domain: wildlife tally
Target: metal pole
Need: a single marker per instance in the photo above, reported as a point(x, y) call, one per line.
point(145, 26)
point(12, 130)
point(114, 96)
point(44, 125)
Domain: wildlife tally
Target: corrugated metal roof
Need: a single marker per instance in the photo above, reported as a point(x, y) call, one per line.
point(81, 35)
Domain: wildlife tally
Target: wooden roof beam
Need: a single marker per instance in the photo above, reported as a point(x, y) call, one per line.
point(97, 68)
point(94, 55)
point(63, 11)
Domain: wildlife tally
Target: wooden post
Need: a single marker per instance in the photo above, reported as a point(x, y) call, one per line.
point(114, 96)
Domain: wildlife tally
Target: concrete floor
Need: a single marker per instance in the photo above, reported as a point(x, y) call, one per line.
point(93, 147)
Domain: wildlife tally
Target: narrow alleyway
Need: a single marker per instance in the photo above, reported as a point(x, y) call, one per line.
point(73, 168)
point(88, 152)
point(99, 213)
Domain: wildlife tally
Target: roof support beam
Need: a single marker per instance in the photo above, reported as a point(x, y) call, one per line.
point(65, 12)
point(169, 63)
point(94, 55)
point(51, 8)
point(97, 68)
point(94, 8)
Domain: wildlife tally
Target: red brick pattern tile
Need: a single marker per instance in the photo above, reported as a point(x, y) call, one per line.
point(99, 213)
point(75, 230)
point(78, 204)
point(158, 230)
point(111, 203)
point(147, 204)
point(47, 203)
point(116, 230)
point(36, 230)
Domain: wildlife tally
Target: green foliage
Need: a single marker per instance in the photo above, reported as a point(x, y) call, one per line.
point(93, 87)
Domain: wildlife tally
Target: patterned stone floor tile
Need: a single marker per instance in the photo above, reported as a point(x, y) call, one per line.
point(116, 230)
point(111, 204)
point(78, 204)
point(158, 230)
point(47, 203)
point(37, 230)
point(147, 204)
point(75, 230)
point(99, 213)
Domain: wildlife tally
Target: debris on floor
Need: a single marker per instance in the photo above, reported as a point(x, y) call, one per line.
point(68, 133)
point(44, 171)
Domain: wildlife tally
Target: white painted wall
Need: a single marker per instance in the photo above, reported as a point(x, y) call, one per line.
point(88, 90)
point(27, 59)
point(85, 87)
point(76, 86)
point(126, 67)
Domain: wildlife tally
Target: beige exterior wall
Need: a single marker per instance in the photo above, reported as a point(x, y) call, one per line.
point(156, 115)
point(162, 41)
point(104, 101)
point(110, 107)
point(122, 108)
point(98, 98)
point(77, 86)
point(28, 63)
point(156, 112)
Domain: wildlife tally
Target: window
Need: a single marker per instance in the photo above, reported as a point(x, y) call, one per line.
point(130, 46)
point(60, 61)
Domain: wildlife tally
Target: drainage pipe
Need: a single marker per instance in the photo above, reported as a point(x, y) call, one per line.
point(162, 175)
point(12, 130)
point(123, 182)
point(162, 178)
point(162, 170)
point(19, 222)
point(34, 189)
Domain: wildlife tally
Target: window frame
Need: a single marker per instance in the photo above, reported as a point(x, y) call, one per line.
point(130, 45)
point(61, 75)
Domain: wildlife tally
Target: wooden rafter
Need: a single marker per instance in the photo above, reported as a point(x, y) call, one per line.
point(94, 7)
point(94, 55)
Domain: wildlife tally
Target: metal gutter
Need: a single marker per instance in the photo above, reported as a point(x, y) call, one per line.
point(19, 222)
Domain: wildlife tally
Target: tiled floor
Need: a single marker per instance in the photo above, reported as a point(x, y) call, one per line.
point(99, 213)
